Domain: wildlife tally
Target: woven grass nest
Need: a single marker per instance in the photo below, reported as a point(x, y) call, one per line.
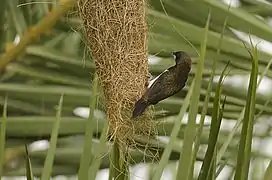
point(116, 32)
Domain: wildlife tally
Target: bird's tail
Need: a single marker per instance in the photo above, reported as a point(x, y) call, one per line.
point(139, 108)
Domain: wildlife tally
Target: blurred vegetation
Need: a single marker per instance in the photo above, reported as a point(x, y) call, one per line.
point(49, 73)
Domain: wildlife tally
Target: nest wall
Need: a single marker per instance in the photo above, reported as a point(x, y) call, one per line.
point(116, 32)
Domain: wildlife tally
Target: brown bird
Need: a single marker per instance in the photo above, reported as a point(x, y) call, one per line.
point(166, 84)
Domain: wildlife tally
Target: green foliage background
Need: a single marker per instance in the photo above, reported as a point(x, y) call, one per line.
point(53, 74)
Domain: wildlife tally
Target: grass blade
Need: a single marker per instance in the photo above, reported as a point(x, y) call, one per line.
point(114, 161)
point(3, 32)
point(3, 135)
point(186, 160)
point(87, 147)
point(102, 147)
point(244, 154)
point(268, 172)
point(207, 98)
point(214, 131)
point(176, 128)
point(119, 166)
point(29, 174)
point(239, 120)
point(212, 171)
point(47, 169)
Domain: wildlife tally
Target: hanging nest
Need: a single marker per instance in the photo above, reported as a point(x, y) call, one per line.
point(116, 32)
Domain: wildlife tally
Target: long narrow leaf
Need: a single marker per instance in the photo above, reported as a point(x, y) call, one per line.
point(176, 128)
point(3, 136)
point(29, 173)
point(114, 162)
point(212, 171)
point(244, 154)
point(214, 130)
point(87, 147)
point(101, 151)
point(49, 161)
point(239, 120)
point(207, 98)
point(268, 172)
point(186, 159)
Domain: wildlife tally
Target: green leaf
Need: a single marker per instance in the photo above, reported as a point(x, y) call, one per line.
point(244, 154)
point(49, 161)
point(268, 172)
point(86, 156)
point(97, 158)
point(29, 173)
point(157, 173)
point(207, 98)
point(214, 130)
point(3, 123)
point(115, 168)
point(186, 158)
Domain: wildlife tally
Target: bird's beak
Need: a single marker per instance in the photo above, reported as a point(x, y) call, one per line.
point(173, 54)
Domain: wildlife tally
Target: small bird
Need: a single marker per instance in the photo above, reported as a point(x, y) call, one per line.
point(166, 84)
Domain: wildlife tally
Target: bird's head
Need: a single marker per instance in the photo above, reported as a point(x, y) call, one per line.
point(180, 56)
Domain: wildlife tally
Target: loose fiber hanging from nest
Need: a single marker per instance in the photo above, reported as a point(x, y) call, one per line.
point(116, 31)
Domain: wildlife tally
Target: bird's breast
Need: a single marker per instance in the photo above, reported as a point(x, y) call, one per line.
point(182, 73)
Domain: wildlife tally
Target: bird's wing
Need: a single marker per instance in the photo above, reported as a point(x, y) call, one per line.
point(151, 83)
point(162, 87)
